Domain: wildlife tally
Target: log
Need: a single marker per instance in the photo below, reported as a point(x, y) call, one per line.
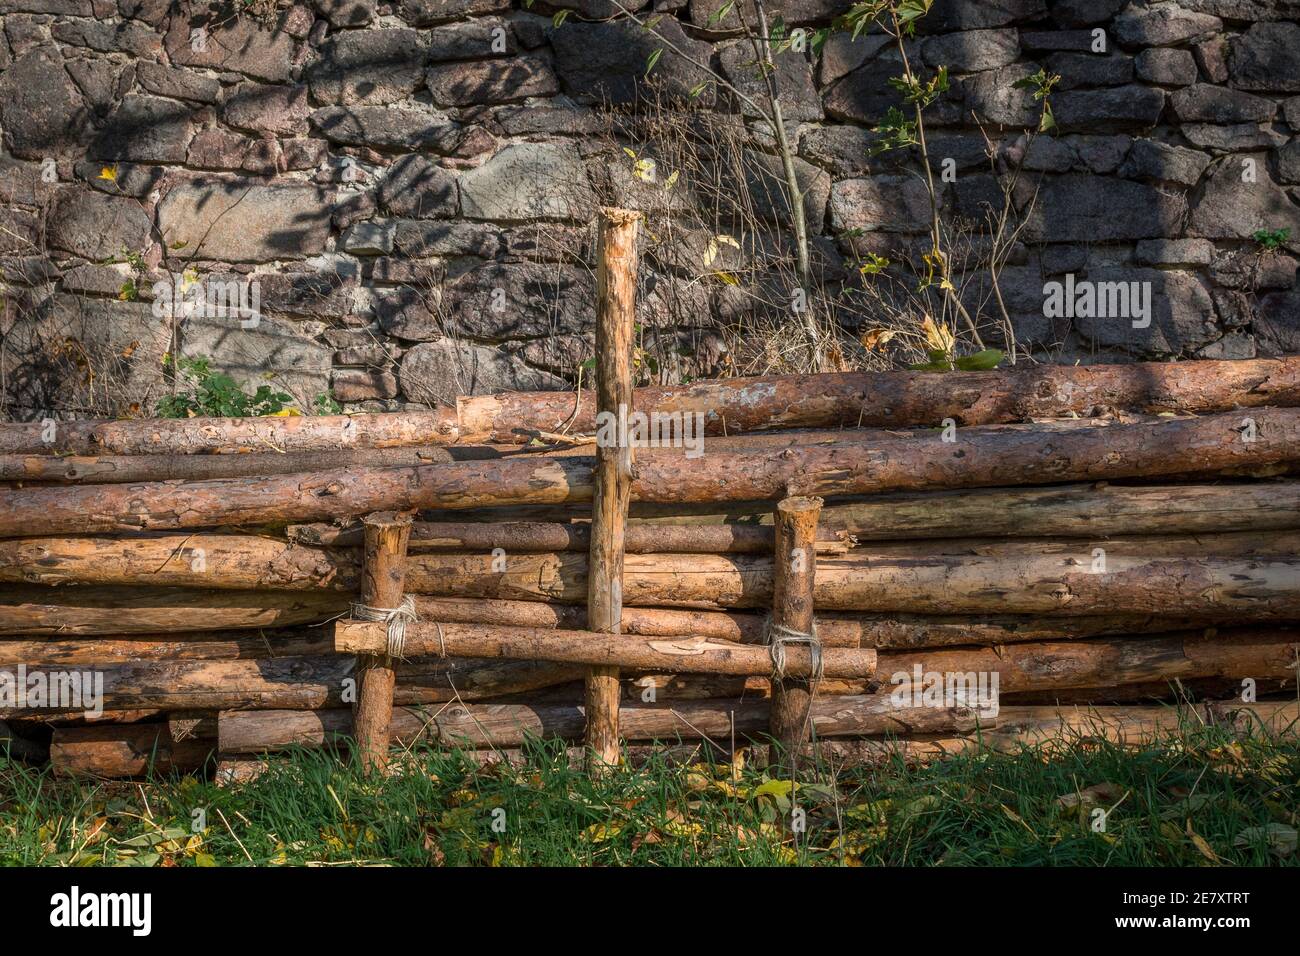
point(834, 630)
point(189, 436)
point(612, 472)
point(896, 399)
point(304, 683)
point(1264, 654)
point(207, 646)
point(124, 750)
point(793, 586)
point(1099, 510)
point(877, 399)
point(682, 654)
point(510, 725)
point(521, 536)
point(69, 611)
point(253, 562)
point(1210, 443)
point(1058, 582)
point(1051, 728)
point(383, 580)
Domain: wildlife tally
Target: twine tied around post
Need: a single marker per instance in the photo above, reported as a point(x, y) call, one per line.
point(395, 617)
point(778, 636)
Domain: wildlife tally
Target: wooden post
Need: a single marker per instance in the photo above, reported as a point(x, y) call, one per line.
point(615, 316)
point(383, 576)
point(792, 610)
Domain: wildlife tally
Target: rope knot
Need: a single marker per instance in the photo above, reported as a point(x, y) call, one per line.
point(777, 637)
point(395, 617)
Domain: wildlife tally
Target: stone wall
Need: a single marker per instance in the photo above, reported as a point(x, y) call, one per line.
point(411, 186)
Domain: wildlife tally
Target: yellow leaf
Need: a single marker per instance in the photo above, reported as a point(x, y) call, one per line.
point(1202, 846)
point(874, 339)
point(286, 413)
point(600, 832)
point(109, 173)
point(207, 859)
point(937, 337)
point(671, 181)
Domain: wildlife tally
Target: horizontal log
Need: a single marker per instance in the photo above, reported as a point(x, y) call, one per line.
point(124, 750)
point(188, 436)
point(126, 468)
point(834, 630)
point(303, 683)
point(517, 536)
point(1263, 654)
point(893, 399)
point(888, 399)
point(1052, 728)
point(1058, 580)
point(681, 654)
point(1099, 510)
point(205, 646)
point(249, 561)
point(68, 611)
point(993, 459)
point(510, 725)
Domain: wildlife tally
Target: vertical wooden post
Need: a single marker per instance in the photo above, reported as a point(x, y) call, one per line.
point(615, 318)
point(383, 576)
point(792, 612)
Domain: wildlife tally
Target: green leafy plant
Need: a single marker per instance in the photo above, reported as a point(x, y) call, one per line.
point(1041, 83)
point(205, 392)
point(324, 404)
point(1270, 240)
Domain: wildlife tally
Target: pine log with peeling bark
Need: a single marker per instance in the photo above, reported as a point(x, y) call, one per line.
point(680, 654)
point(893, 399)
point(516, 536)
point(305, 682)
point(1258, 653)
point(190, 436)
point(509, 725)
point(1210, 443)
point(124, 750)
point(842, 630)
point(252, 562)
point(998, 580)
point(1098, 510)
point(207, 646)
point(66, 611)
point(884, 399)
point(121, 469)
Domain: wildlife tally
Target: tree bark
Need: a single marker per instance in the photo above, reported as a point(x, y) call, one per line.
point(124, 750)
point(691, 654)
point(68, 611)
point(516, 536)
point(509, 725)
point(207, 646)
point(612, 473)
point(1099, 510)
point(902, 399)
point(1214, 442)
point(834, 630)
point(382, 579)
point(794, 583)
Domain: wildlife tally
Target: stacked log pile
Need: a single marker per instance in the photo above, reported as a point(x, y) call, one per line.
point(1099, 539)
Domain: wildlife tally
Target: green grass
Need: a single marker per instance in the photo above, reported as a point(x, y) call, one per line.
point(1203, 799)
